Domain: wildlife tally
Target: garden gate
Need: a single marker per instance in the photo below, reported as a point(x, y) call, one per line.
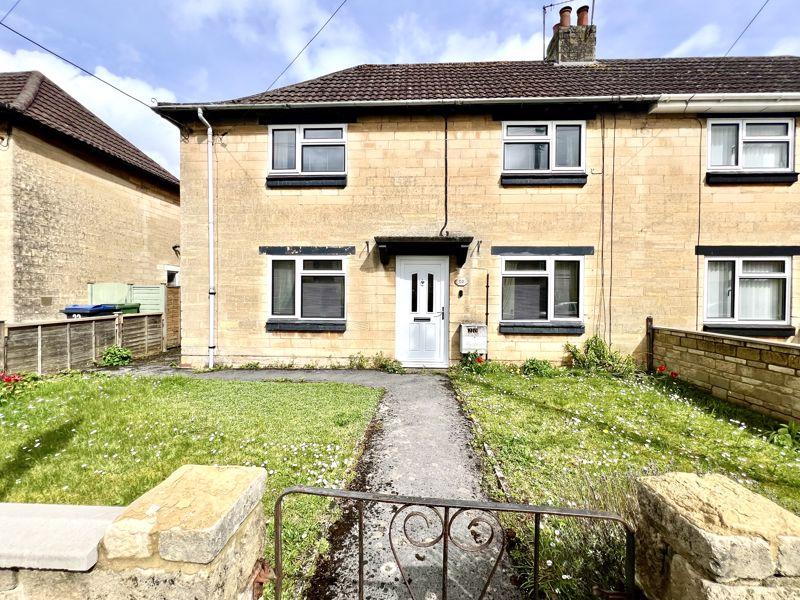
point(471, 527)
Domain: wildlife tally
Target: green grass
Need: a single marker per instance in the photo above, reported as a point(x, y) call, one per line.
point(89, 439)
point(578, 440)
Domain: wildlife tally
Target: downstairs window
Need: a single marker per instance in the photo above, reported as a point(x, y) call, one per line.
point(541, 289)
point(747, 290)
point(307, 287)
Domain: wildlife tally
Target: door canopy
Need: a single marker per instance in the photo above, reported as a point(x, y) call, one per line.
point(423, 246)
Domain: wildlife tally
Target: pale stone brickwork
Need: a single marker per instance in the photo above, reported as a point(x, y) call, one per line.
point(75, 222)
point(6, 231)
point(198, 534)
point(760, 374)
point(641, 216)
point(707, 537)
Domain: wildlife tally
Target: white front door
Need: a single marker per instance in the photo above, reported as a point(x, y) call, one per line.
point(422, 310)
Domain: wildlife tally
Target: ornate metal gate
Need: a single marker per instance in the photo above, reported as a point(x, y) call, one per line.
point(446, 517)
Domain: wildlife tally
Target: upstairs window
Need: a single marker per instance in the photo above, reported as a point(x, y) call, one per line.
point(541, 288)
point(307, 287)
point(544, 146)
point(748, 290)
point(308, 149)
point(756, 145)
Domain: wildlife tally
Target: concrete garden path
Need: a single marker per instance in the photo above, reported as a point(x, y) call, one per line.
point(420, 446)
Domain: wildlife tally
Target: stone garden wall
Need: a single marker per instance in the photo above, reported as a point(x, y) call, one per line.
point(760, 374)
point(199, 534)
point(707, 537)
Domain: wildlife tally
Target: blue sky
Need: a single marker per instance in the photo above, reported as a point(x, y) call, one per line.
point(190, 50)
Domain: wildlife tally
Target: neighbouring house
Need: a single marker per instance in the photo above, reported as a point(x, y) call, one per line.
point(377, 208)
point(78, 203)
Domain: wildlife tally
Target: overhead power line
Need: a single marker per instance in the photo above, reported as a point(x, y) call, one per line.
point(83, 70)
point(755, 16)
point(10, 10)
point(303, 49)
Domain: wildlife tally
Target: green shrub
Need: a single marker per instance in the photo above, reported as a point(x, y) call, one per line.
point(535, 367)
point(386, 364)
point(787, 435)
point(474, 363)
point(116, 356)
point(250, 366)
point(596, 355)
point(358, 362)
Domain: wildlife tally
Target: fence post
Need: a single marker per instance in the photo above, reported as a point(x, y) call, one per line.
point(164, 330)
point(118, 324)
point(2, 345)
point(650, 343)
point(69, 347)
point(39, 349)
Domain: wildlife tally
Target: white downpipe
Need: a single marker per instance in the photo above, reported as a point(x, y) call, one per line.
point(212, 290)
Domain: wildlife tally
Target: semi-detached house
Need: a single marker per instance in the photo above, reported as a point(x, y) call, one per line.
point(377, 208)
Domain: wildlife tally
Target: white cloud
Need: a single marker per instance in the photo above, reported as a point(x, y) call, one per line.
point(702, 42)
point(283, 26)
point(490, 46)
point(786, 46)
point(414, 42)
point(149, 132)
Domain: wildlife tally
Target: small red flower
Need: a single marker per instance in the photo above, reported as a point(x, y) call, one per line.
point(479, 359)
point(662, 368)
point(673, 374)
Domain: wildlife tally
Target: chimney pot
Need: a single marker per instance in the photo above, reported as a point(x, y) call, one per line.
point(565, 14)
point(583, 16)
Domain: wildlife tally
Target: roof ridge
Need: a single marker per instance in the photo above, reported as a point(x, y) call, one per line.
point(28, 92)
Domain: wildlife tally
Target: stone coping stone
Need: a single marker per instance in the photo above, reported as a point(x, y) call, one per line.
point(189, 517)
point(52, 536)
point(721, 526)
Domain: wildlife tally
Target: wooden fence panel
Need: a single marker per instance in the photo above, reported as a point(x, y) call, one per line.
point(22, 349)
point(54, 349)
point(80, 344)
point(53, 346)
point(173, 317)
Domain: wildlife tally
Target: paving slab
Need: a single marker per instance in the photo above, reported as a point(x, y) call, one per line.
point(52, 536)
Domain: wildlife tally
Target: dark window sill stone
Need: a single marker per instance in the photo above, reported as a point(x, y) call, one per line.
point(308, 326)
point(552, 328)
point(749, 178)
point(770, 331)
point(306, 181)
point(534, 179)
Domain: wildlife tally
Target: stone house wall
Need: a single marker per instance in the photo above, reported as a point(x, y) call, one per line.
point(73, 222)
point(761, 375)
point(642, 217)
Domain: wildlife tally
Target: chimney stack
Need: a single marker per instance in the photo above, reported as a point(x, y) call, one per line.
point(573, 43)
point(583, 16)
point(565, 14)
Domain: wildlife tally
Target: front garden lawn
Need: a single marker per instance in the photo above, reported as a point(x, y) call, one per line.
point(94, 439)
point(577, 440)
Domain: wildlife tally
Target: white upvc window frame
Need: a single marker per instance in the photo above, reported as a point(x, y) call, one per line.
point(550, 138)
point(298, 289)
point(549, 272)
point(737, 276)
point(300, 141)
point(743, 137)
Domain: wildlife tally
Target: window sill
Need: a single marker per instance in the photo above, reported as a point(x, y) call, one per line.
point(551, 328)
point(306, 325)
point(720, 178)
point(535, 179)
point(306, 181)
point(770, 331)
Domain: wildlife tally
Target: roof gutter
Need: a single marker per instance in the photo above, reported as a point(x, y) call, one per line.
point(727, 103)
point(399, 103)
